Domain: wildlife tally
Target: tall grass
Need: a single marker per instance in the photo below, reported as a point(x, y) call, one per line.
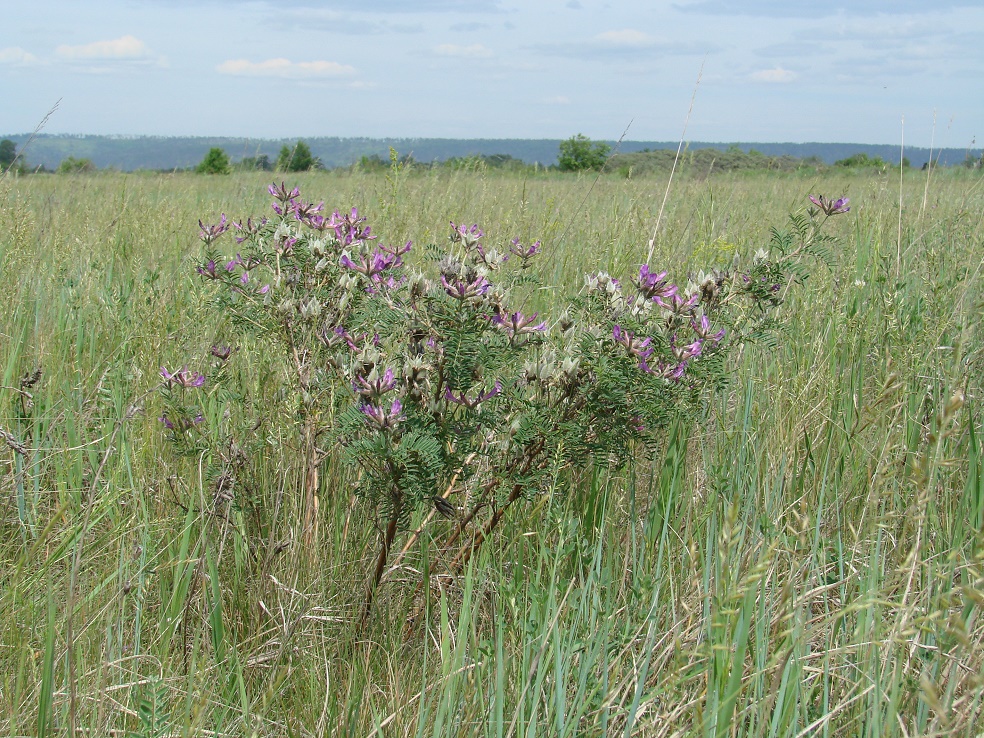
point(804, 559)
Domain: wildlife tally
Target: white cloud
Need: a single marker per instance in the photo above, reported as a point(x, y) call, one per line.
point(285, 69)
point(123, 48)
point(777, 75)
point(474, 51)
point(16, 56)
point(557, 100)
point(626, 37)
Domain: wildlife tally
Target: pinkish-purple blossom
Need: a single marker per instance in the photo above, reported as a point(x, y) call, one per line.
point(372, 389)
point(516, 324)
point(687, 351)
point(472, 403)
point(831, 207)
point(208, 270)
point(461, 290)
point(654, 286)
point(638, 347)
point(209, 233)
point(524, 252)
point(383, 419)
point(679, 305)
point(703, 330)
point(182, 378)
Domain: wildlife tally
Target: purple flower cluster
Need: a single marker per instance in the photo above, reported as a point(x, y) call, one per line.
point(384, 419)
point(639, 348)
point(524, 252)
point(468, 236)
point(209, 233)
point(461, 398)
point(372, 388)
point(182, 378)
point(348, 228)
point(249, 228)
point(517, 324)
point(463, 290)
point(654, 286)
point(831, 207)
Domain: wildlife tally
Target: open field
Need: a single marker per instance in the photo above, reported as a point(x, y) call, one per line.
point(806, 559)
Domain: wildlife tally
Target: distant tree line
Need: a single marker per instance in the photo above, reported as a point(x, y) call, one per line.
point(576, 154)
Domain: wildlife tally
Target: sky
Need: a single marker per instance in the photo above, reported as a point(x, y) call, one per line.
point(868, 71)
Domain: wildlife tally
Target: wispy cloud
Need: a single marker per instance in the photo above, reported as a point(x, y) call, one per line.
point(286, 69)
point(332, 21)
point(626, 38)
point(776, 75)
point(786, 9)
point(622, 46)
point(125, 48)
point(472, 51)
point(557, 100)
point(17, 57)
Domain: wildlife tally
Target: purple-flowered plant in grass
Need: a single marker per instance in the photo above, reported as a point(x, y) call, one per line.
point(831, 207)
point(209, 233)
point(447, 394)
point(182, 378)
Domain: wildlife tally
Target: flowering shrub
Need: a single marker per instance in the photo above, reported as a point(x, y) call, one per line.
point(444, 392)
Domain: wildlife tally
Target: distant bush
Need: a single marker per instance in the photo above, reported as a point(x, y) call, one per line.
point(297, 159)
point(8, 154)
point(861, 160)
point(580, 153)
point(259, 163)
point(706, 161)
point(216, 161)
point(71, 165)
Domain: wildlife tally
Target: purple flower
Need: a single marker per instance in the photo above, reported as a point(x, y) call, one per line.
point(703, 330)
point(209, 270)
point(524, 252)
point(461, 290)
point(167, 423)
point(285, 245)
point(374, 264)
point(688, 351)
point(381, 418)
point(465, 235)
point(304, 211)
point(183, 378)
point(666, 371)
point(654, 286)
point(248, 229)
point(679, 305)
point(516, 324)
point(209, 233)
point(639, 348)
point(281, 193)
point(831, 207)
point(463, 399)
point(373, 389)
point(348, 228)
point(222, 353)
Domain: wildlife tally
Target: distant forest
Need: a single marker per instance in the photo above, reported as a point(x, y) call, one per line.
point(130, 153)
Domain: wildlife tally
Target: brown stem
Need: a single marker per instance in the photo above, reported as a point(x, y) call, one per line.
point(460, 561)
point(311, 464)
point(388, 537)
point(469, 548)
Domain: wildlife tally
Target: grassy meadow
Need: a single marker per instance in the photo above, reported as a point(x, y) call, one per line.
point(805, 559)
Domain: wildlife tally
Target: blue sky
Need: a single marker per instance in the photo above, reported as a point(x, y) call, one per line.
point(773, 70)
